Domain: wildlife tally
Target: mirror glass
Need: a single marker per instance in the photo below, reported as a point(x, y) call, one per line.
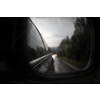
point(58, 44)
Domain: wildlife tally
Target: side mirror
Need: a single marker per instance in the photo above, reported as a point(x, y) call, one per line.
point(67, 48)
point(69, 43)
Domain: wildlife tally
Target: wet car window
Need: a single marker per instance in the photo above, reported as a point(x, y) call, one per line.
point(35, 47)
point(46, 46)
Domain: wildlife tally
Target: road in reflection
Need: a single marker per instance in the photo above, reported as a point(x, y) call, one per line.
point(60, 66)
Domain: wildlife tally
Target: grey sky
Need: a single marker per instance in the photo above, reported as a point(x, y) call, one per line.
point(54, 29)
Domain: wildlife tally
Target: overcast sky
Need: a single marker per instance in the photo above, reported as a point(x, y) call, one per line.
point(54, 29)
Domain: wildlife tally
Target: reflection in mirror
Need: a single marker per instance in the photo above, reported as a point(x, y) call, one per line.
point(62, 45)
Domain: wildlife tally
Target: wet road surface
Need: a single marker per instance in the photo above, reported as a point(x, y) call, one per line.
point(61, 67)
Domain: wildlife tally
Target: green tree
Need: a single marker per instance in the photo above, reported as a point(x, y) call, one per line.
point(78, 47)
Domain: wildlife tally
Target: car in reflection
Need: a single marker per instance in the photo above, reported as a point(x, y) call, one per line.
point(36, 50)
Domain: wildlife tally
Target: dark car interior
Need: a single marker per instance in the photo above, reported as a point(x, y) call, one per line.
point(27, 59)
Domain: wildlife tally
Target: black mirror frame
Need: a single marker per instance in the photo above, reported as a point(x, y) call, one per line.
point(91, 68)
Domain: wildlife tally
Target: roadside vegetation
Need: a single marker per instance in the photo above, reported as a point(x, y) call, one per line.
point(78, 64)
point(76, 50)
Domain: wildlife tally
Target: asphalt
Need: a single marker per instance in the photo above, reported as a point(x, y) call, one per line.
point(61, 67)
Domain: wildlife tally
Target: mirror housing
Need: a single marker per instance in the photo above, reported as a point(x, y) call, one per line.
point(19, 70)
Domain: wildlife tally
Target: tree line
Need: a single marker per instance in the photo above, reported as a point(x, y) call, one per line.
point(79, 45)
